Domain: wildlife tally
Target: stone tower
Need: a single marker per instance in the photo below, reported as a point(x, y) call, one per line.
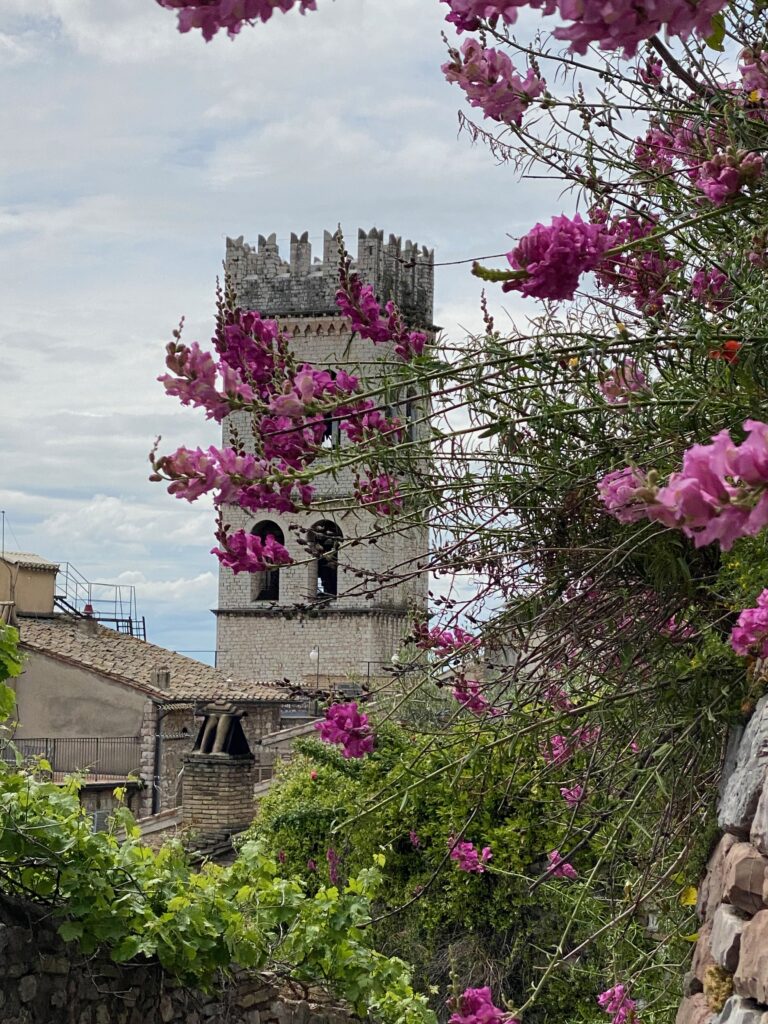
point(317, 622)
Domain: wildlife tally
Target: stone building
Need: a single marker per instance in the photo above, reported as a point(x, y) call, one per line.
point(324, 620)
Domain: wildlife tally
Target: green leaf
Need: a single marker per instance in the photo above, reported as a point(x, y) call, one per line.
point(715, 38)
point(70, 930)
point(489, 274)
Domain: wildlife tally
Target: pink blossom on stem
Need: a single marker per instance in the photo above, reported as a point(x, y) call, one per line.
point(230, 15)
point(381, 494)
point(444, 641)
point(623, 382)
point(333, 865)
point(624, 492)
point(357, 302)
point(469, 693)
point(244, 552)
point(415, 841)
point(616, 1001)
point(556, 750)
point(754, 74)
point(725, 174)
point(475, 1006)
point(750, 634)
point(552, 258)
point(652, 73)
point(468, 859)
point(348, 728)
point(466, 15)
point(572, 796)
point(559, 868)
point(200, 381)
point(491, 82)
point(712, 288)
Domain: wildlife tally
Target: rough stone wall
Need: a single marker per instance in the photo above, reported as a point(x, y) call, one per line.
point(728, 980)
point(45, 981)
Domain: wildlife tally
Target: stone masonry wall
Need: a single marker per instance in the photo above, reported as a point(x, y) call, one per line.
point(218, 791)
point(728, 980)
point(45, 981)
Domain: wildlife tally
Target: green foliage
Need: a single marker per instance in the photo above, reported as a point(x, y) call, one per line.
point(123, 896)
point(10, 666)
point(493, 928)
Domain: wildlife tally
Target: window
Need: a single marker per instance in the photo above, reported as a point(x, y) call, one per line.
point(324, 540)
point(265, 586)
point(331, 434)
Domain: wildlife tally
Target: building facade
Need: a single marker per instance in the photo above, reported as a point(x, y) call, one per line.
point(327, 619)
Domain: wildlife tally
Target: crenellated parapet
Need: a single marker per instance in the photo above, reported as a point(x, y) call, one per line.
point(303, 287)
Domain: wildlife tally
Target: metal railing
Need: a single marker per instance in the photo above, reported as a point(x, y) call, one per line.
point(113, 604)
point(98, 756)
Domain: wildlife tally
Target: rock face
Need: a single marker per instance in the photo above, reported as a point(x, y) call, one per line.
point(741, 1011)
point(751, 977)
point(711, 889)
point(694, 1011)
point(742, 790)
point(727, 926)
point(744, 874)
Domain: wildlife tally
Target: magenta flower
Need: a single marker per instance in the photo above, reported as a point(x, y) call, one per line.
point(345, 726)
point(572, 796)
point(311, 865)
point(725, 174)
point(624, 492)
point(475, 1006)
point(468, 859)
point(559, 868)
point(466, 15)
point(333, 865)
point(556, 750)
point(210, 16)
point(622, 382)
point(357, 302)
point(380, 494)
point(554, 258)
point(712, 288)
point(754, 74)
point(244, 552)
point(415, 841)
point(616, 1001)
point(491, 82)
point(444, 641)
point(469, 693)
point(750, 634)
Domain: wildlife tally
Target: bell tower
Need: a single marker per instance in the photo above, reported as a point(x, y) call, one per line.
point(323, 620)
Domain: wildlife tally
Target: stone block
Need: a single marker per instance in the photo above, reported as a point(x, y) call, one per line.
point(751, 978)
point(742, 791)
point(702, 953)
point(28, 988)
point(741, 1011)
point(758, 834)
point(727, 926)
point(694, 1010)
point(166, 1009)
point(743, 879)
point(54, 965)
point(711, 889)
point(252, 1017)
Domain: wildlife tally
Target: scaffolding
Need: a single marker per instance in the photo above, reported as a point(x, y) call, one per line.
point(110, 604)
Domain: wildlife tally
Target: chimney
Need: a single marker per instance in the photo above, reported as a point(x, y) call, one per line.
point(219, 776)
point(160, 678)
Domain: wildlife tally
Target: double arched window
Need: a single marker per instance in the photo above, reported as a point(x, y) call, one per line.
point(265, 586)
point(324, 540)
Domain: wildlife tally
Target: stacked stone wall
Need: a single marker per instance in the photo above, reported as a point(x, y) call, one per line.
point(45, 981)
point(218, 791)
point(728, 980)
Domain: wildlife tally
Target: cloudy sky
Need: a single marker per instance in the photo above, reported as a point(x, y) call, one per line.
point(129, 153)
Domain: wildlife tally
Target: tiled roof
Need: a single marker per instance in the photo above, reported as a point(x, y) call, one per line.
point(131, 660)
point(28, 560)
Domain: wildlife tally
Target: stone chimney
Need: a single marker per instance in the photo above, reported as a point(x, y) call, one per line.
point(160, 678)
point(219, 776)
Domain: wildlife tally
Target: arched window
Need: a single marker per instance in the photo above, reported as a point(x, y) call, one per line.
point(324, 540)
point(265, 586)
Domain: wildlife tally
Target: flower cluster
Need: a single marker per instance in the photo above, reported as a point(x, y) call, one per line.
point(381, 494)
point(572, 796)
point(724, 175)
point(559, 868)
point(469, 693)
point(230, 15)
point(475, 1006)
point(466, 15)
point(348, 728)
point(711, 288)
point(492, 83)
point(358, 303)
point(720, 494)
point(468, 859)
point(641, 270)
point(558, 749)
point(616, 1001)
point(623, 382)
point(552, 259)
point(754, 74)
point(244, 552)
point(444, 641)
point(750, 634)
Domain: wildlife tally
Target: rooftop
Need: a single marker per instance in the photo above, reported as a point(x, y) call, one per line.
point(134, 662)
point(28, 560)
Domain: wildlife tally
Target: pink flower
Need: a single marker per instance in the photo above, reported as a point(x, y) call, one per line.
point(380, 494)
point(345, 726)
point(552, 259)
point(556, 750)
point(311, 865)
point(444, 641)
point(475, 1006)
point(622, 382)
point(466, 15)
point(559, 868)
point(712, 288)
point(357, 302)
point(468, 859)
point(652, 73)
point(572, 796)
point(724, 175)
point(333, 865)
point(415, 841)
point(244, 552)
point(313, 776)
point(617, 1002)
point(230, 15)
point(468, 692)
point(754, 74)
point(491, 82)
point(625, 493)
point(750, 634)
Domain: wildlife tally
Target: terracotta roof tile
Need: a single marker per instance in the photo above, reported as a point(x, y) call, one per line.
point(133, 661)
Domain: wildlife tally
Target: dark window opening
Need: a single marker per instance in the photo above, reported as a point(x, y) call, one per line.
point(411, 414)
point(324, 540)
point(265, 586)
point(331, 433)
